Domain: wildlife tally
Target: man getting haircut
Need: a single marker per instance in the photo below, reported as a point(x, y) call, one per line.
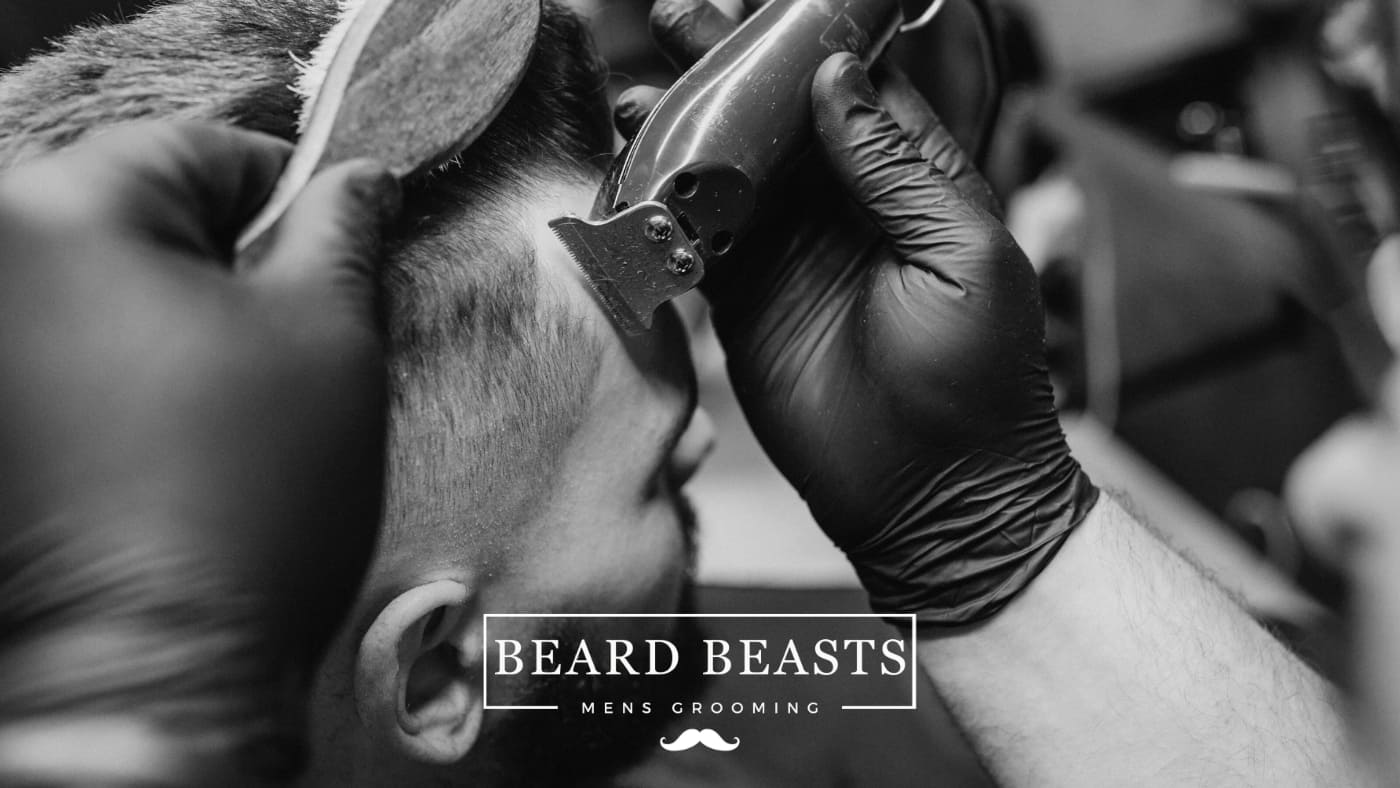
point(536, 455)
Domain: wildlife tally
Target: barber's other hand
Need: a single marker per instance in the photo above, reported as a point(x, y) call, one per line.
point(885, 337)
point(190, 456)
point(1345, 499)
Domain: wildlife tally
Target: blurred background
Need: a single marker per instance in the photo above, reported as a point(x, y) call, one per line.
point(1200, 184)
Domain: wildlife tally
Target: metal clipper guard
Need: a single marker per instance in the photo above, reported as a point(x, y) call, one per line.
point(638, 260)
point(690, 184)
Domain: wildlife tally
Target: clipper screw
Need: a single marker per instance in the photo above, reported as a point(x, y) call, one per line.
point(658, 229)
point(680, 262)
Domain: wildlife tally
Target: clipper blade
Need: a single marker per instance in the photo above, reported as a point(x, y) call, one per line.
point(635, 261)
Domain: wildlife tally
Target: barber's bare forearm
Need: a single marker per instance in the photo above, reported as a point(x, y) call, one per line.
point(1123, 665)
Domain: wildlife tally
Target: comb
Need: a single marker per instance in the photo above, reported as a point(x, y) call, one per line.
point(409, 83)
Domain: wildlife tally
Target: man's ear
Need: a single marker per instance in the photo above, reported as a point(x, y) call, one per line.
point(417, 673)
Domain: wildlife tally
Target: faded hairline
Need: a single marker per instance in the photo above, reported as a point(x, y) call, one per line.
point(510, 367)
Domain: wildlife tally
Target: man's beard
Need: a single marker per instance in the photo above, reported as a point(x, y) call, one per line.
point(569, 747)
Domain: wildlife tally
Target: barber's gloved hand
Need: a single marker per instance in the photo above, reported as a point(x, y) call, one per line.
point(190, 457)
point(886, 339)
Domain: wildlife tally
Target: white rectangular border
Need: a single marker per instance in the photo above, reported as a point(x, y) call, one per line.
point(913, 646)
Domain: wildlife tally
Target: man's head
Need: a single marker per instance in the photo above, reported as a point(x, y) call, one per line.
point(535, 454)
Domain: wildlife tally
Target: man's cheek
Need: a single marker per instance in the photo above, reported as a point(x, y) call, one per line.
point(653, 567)
point(639, 566)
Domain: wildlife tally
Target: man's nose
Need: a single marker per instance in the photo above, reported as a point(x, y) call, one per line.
point(695, 445)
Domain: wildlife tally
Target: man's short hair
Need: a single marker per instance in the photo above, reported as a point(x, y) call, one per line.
point(490, 370)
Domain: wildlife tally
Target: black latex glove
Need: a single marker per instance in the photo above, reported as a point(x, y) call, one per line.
point(886, 340)
point(190, 458)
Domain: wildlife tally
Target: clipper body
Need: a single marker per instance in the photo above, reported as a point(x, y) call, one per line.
point(688, 186)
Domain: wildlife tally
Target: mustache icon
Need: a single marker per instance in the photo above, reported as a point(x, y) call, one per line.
point(691, 737)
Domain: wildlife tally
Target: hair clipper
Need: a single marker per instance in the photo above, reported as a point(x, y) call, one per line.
point(688, 186)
